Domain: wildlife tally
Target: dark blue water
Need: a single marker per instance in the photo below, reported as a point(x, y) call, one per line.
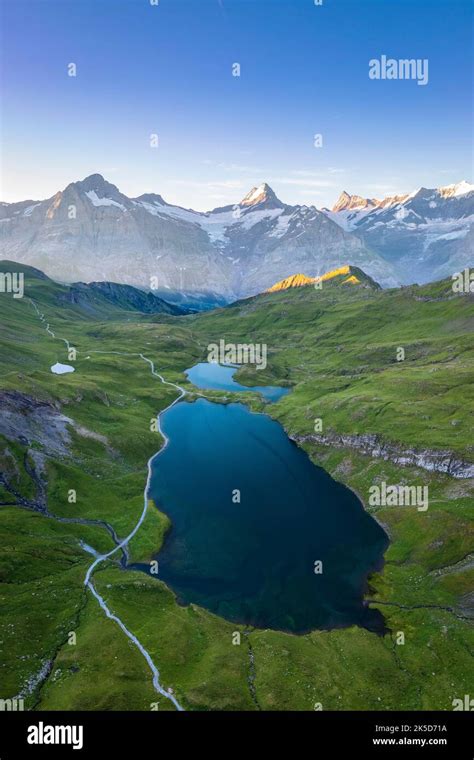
point(253, 561)
point(220, 377)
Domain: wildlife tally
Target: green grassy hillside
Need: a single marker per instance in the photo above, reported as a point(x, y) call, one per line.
point(337, 349)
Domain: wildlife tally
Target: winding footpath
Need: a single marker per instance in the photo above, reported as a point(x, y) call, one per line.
point(124, 543)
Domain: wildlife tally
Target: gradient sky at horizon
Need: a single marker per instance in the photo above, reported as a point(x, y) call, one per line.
point(167, 69)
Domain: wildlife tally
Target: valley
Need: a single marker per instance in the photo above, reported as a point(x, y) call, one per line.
point(335, 349)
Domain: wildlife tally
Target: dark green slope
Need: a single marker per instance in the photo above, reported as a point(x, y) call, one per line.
point(123, 296)
point(95, 299)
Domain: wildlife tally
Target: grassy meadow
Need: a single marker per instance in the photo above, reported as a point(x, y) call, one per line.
point(336, 348)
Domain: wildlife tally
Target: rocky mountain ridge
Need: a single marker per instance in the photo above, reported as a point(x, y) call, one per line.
point(91, 231)
point(425, 235)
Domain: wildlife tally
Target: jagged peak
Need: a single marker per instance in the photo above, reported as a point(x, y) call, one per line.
point(96, 186)
point(93, 178)
point(347, 202)
point(263, 194)
point(393, 200)
point(94, 182)
point(456, 189)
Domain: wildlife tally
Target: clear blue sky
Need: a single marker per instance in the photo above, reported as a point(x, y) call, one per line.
point(167, 69)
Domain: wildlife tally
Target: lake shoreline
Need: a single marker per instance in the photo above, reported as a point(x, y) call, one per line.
point(239, 410)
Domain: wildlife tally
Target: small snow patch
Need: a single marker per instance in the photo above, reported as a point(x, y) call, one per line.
point(61, 369)
point(96, 201)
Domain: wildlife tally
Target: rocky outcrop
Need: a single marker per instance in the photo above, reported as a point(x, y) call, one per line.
point(374, 446)
point(27, 420)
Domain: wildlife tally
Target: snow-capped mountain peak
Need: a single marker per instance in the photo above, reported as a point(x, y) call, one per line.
point(263, 194)
point(425, 234)
point(97, 184)
point(394, 200)
point(98, 191)
point(240, 249)
point(347, 202)
point(454, 191)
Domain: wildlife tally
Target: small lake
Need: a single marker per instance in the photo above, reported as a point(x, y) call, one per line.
point(251, 515)
point(220, 377)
